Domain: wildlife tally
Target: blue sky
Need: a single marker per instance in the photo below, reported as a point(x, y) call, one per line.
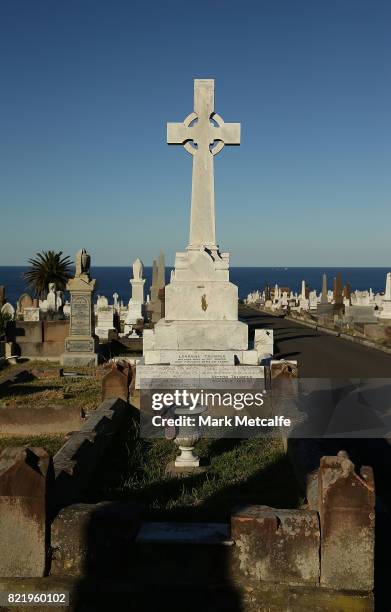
point(87, 87)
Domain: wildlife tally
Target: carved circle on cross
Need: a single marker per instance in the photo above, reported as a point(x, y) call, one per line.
point(216, 145)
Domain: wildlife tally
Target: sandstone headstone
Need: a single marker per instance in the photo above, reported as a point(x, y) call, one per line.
point(115, 384)
point(347, 524)
point(26, 477)
point(280, 546)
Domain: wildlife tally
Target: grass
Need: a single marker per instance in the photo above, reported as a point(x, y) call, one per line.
point(50, 443)
point(240, 471)
point(41, 392)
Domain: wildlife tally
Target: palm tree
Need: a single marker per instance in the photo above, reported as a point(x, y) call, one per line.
point(48, 267)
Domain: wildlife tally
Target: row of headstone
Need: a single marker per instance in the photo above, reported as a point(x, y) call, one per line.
point(363, 306)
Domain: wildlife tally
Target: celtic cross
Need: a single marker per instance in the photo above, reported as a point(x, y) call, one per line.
point(203, 133)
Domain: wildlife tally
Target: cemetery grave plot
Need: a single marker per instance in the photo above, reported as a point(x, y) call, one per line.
point(253, 470)
point(40, 402)
point(45, 386)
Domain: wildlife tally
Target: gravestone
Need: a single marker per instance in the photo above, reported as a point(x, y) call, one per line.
point(201, 304)
point(136, 303)
point(339, 307)
point(303, 300)
point(324, 307)
point(26, 478)
point(324, 296)
point(51, 299)
point(385, 312)
point(81, 344)
point(24, 301)
point(105, 328)
point(115, 384)
point(347, 524)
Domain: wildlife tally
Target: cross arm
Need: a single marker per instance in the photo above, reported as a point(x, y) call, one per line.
point(229, 133)
point(177, 133)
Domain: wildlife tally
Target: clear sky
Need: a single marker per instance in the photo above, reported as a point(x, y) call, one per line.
point(87, 87)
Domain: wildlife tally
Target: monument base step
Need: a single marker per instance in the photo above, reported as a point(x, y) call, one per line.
point(152, 376)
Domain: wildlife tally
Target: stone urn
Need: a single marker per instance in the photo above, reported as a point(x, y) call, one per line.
point(187, 436)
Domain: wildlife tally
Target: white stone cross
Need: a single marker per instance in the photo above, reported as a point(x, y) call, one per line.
point(203, 134)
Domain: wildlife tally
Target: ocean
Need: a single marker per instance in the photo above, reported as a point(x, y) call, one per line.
point(116, 279)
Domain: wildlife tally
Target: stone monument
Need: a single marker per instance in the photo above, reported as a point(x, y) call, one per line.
point(136, 302)
point(201, 327)
point(81, 344)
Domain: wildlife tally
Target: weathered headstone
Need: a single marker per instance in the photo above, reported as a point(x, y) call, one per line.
point(347, 524)
point(115, 384)
point(81, 344)
point(280, 546)
point(26, 477)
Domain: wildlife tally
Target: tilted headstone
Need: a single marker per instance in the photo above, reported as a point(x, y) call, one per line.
point(115, 384)
point(81, 344)
point(26, 478)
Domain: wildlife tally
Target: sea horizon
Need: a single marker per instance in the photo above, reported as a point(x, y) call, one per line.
point(115, 279)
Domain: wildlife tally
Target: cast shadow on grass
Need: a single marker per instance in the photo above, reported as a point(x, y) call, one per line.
point(20, 390)
point(161, 576)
